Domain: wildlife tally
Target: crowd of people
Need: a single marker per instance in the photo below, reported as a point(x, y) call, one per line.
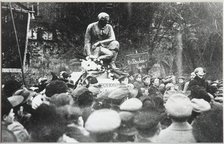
point(142, 108)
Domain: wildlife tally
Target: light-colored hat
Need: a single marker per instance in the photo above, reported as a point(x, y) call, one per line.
point(200, 105)
point(79, 91)
point(119, 93)
point(133, 92)
point(179, 105)
point(103, 15)
point(169, 85)
point(132, 104)
point(103, 95)
point(15, 100)
point(25, 93)
point(125, 115)
point(102, 121)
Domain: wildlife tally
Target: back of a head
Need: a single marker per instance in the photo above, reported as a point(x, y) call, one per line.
point(56, 87)
point(208, 126)
point(102, 123)
point(179, 107)
point(70, 113)
point(10, 87)
point(92, 80)
point(147, 121)
point(158, 101)
point(85, 99)
point(61, 99)
point(47, 124)
point(82, 96)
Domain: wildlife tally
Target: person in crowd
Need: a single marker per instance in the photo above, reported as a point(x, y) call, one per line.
point(162, 87)
point(7, 136)
point(64, 76)
point(123, 80)
point(56, 87)
point(74, 132)
point(199, 106)
point(181, 83)
point(102, 125)
point(186, 85)
point(131, 77)
point(148, 125)
point(95, 89)
point(118, 96)
point(9, 124)
point(169, 79)
point(10, 87)
point(61, 99)
point(208, 126)
point(132, 105)
point(90, 80)
point(138, 81)
point(154, 88)
point(100, 41)
point(127, 131)
point(170, 89)
point(146, 81)
point(199, 87)
point(92, 84)
point(85, 101)
point(179, 109)
point(42, 83)
point(46, 124)
point(7, 117)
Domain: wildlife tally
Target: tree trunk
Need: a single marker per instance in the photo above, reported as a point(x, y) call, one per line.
point(179, 54)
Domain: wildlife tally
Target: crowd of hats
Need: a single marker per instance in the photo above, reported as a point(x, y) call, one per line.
point(61, 113)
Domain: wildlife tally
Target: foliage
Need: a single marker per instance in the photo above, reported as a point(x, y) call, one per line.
point(152, 28)
point(143, 27)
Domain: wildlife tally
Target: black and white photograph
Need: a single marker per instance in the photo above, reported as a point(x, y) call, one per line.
point(122, 72)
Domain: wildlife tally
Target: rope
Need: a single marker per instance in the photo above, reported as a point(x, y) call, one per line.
point(17, 42)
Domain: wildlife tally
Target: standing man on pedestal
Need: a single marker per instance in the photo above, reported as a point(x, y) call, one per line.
point(100, 41)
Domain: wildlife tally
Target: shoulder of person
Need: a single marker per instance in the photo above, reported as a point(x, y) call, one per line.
point(20, 132)
point(163, 135)
point(92, 24)
point(109, 25)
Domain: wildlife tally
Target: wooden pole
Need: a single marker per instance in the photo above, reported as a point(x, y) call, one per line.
point(17, 42)
point(26, 43)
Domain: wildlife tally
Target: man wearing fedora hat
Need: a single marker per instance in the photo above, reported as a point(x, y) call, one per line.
point(100, 41)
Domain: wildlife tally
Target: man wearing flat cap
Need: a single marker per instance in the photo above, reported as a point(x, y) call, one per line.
point(100, 41)
point(179, 109)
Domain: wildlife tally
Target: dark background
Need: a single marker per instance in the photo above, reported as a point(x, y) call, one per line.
point(141, 27)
